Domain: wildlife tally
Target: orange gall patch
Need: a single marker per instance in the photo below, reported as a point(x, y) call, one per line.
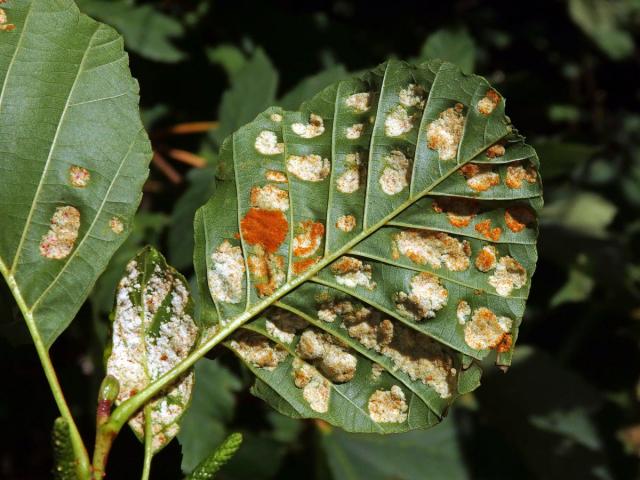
point(485, 229)
point(496, 151)
point(505, 343)
point(459, 211)
point(518, 218)
point(489, 102)
point(302, 266)
point(267, 228)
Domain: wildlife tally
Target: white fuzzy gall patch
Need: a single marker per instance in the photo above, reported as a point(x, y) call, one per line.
point(267, 143)
point(270, 197)
point(310, 168)
point(433, 248)
point(509, 276)
point(352, 272)
point(413, 96)
point(425, 298)
point(314, 128)
point(376, 371)
point(487, 104)
point(276, 117)
point(480, 178)
point(354, 131)
point(388, 406)
point(398, 122)
point(79, 177)
point(396, 174)
point(226, 275)
point(346, 223)
point(463, 311)
point(517, 173)
point(276, 176)
point(349, 181)
point(328, 354)
point(360, 102)
point(116, 225)
point(59, 241)
point(488, 331)
point(258, 350)
point(444, 133)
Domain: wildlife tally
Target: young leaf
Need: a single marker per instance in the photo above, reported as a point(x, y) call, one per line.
point(153, 330)
point(392, 223)
point(75, 156)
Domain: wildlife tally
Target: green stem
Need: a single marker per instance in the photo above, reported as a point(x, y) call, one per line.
point(148, 443)
point(83, 468)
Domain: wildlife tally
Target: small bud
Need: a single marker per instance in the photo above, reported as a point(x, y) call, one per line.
point(109, 389)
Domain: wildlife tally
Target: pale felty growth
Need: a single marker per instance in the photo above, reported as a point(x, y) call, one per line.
point(352, 272)
point(226, 275)
point(314, 128)
point(517, 173)
point(396, 174)
point(79, 176)
point(463, 311)
point(398, 122)
point(508, 276)
point(480, 178)
point(270, 197)
point(487, 258)
point(349, 181)
point(354, 131)
point(310, 168)
point(425, 298)
point(308, 241)
point(486, 330)
point(116, 225)
point(433, 248)
point(346, 223)
point(276, 176)
point(360, 102)
point(413, 96)
point(4, 26)
point(496, 150)
point(487, 104)
point(267, 143)
point(258, 350)
point(59, 241)
point(267, 269)
point(444, 133)
point(316, 389)
point(376, 371)
point(276, 117)
point(328, 354)
point(388, 406)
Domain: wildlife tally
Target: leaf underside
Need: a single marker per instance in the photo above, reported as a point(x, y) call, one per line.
point(373, 246)
point(153, 330)
point(74, 156)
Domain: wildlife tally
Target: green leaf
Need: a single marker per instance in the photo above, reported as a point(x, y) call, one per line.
point(146, 31)
point(203, 426)
point(229, 57)
point(452, 45)
point(373, 246)
point(180, 244)
point(64, 462)
point(432, 455)
point(253, 88)
point(75, 156)
point(562, 158)
point(153, 331)
point(577, 288)
point(602, 20)
point(585, 212)
point(212, 464)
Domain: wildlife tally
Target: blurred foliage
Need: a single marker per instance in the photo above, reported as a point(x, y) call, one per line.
point(568, 408)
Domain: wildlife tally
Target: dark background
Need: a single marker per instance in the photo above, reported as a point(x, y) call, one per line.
point(568, 408)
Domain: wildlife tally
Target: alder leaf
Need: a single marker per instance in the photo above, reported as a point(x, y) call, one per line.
point(153, 331)
point(74, 157)
point(373, 246)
